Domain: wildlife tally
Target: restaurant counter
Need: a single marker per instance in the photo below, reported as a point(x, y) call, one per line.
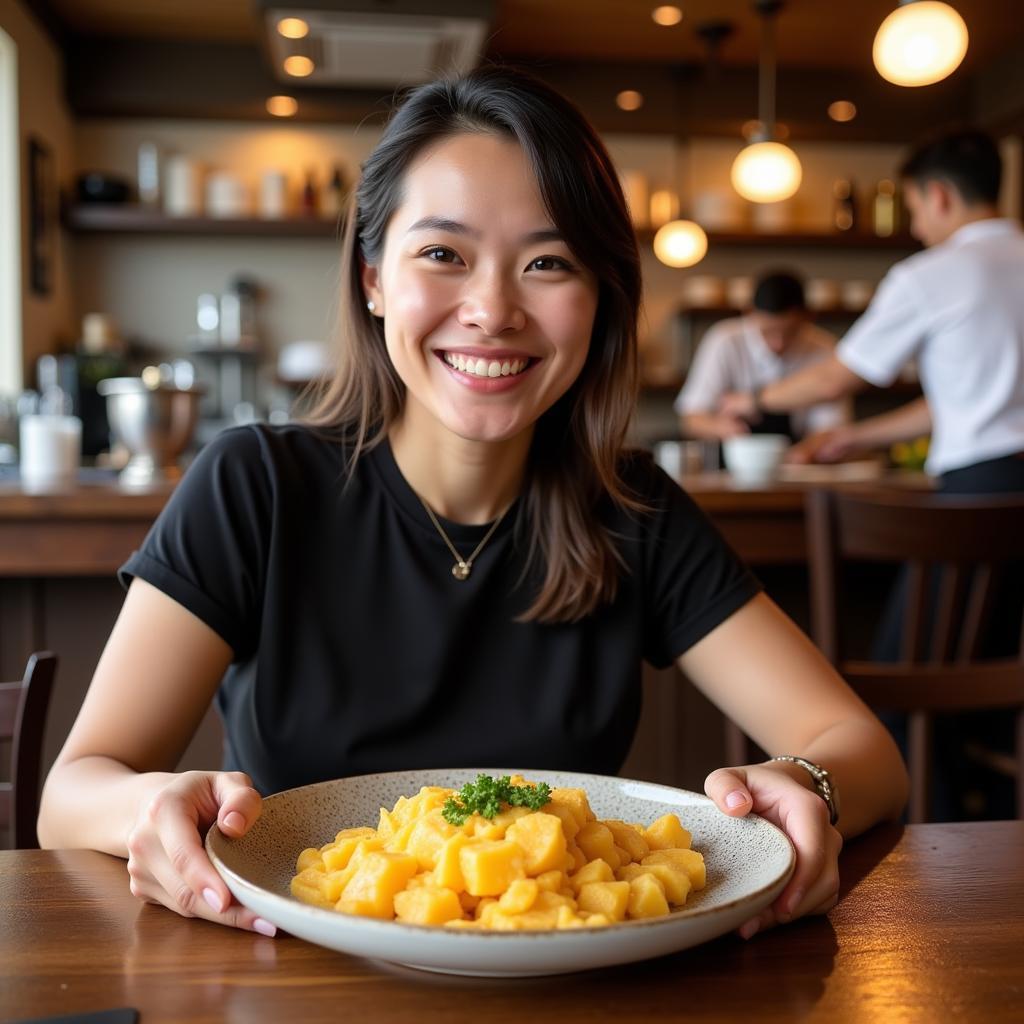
point(91, 530)
point(929, 927)
point(58, 591)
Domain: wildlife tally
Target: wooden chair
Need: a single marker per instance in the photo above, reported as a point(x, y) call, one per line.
point(966, 540)
point(23, 707)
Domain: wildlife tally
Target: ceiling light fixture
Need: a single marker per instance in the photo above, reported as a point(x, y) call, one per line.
point(293, 28)
point(667, 15)
point(298, 66)
point(921, 42)
point(680, 243)
point(629, 99)
point(766, 171)
point(842, 110)
point(282, 106)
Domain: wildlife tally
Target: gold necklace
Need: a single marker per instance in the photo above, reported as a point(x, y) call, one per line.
point(463, 566)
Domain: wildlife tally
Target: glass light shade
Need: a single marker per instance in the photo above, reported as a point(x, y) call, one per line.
point(680, 243)
point(282, 106)
point(920, 43)
point(765, 172)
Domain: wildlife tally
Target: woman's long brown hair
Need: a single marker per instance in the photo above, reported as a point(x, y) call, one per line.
point(573, 475)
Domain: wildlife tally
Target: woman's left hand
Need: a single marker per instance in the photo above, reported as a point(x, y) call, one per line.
point(770, 791)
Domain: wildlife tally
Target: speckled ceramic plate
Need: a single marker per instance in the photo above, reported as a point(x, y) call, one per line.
point(748, 864)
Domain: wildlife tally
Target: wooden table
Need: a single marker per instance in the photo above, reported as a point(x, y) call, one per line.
point(930, 928)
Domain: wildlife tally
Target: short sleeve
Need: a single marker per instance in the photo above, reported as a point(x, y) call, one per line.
point(709, 377)
point(208, 548)
point(694, 581)
point(889, 333)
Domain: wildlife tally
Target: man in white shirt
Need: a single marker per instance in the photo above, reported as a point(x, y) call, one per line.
point(773, 340)
point(957, 308)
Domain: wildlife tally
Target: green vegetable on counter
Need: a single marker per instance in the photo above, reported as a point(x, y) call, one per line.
point(487, 795)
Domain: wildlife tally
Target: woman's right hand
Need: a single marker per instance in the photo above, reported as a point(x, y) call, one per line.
point(167, 863)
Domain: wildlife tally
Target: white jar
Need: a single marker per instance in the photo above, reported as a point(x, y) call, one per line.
point(226, 196)
point(183, 187)
point(273, 195)
point(51, 448)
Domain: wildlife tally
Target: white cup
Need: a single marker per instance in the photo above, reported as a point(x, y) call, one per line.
point(51, 447)
point(669, 455)
point(754, 458)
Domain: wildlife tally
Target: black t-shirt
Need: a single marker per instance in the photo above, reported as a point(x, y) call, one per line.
point(356, 650)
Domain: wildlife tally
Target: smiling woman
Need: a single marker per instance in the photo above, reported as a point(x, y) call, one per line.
point(455, 563)
point(485, 234)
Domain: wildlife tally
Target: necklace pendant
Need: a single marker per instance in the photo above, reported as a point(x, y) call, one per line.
point(461, 570)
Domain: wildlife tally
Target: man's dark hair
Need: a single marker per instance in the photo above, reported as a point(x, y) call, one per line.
point(779, 292)
point(967, 159)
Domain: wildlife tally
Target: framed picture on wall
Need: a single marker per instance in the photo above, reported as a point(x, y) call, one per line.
point(42, 213)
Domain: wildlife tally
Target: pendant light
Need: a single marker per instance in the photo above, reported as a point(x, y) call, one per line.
point(766, 171)
point(921, 42)
point(680, 243)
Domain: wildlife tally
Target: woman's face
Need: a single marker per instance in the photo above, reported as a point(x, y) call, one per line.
point(487, 314)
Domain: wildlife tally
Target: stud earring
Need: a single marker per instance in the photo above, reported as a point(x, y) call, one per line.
point(371, 305)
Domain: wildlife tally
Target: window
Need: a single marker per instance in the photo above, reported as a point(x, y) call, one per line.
point(10, 221)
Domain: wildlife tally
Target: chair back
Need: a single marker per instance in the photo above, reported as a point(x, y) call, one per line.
point(23, 707)
point(963, 543)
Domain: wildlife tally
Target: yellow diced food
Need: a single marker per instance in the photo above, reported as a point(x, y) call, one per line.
point(305, 886)
point(519, 897)
point(570, 826)
point(542, 841)
point(386, 826)
point(448, 872)
point(490, 866)
point(689, 860)
point(594, 871)
point(596, 840)
point(608, 898)
point(332, 883)
point(552, 881)
point(508, 817)
point(568, 918)
point(674, 880)
point(667, 833)
point(559, 867)
point(579, 859)
point(363, 832)
point(427, 906)
point(646, 897)
point(376, 880)
point(577, 802)
point(629, 839)
point(426, 838)
point(310, 858)
point(339, 853)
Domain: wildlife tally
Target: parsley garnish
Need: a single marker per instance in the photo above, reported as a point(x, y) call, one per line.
point(486, 796)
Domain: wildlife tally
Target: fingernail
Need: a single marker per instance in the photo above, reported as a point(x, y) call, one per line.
point(749, 930)
point(264, 927)
point(213, 899)
point(234, 821)
point(737, 798)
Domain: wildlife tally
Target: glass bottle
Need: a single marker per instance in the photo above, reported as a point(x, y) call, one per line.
point(332, 198)
point(884, 211)
point(309, 205)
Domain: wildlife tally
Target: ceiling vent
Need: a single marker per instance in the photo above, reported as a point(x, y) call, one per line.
point(350, 49)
